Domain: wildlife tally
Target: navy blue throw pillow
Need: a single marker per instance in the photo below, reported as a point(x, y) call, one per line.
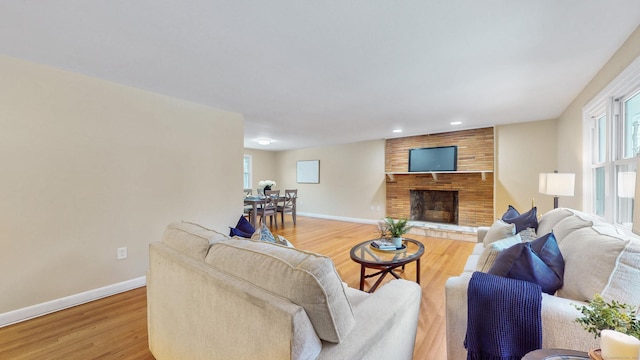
point(243, 228)
point(539, 262)
point(522, 221)
point(237, 232)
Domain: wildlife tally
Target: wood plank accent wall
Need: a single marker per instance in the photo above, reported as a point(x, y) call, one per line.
point(475, 153)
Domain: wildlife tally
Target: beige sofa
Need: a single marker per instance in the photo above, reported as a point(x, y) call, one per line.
point(598, 259)
point(215, 297)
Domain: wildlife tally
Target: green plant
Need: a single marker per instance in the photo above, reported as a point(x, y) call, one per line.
point(397, 228)
point(599, 315)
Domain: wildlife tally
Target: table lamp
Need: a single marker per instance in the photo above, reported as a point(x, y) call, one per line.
point(557, 184)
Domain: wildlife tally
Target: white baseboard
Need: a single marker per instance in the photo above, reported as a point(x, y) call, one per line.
point(339, 218)
point(48, 307)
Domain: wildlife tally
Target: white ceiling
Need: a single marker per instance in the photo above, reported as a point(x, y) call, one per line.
point(312, 73)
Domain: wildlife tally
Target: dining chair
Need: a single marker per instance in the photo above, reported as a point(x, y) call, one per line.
point(288, 205)
point(270, 208)
point(248, 209)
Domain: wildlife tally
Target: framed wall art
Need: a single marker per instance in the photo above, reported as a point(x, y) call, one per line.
point(308, 171)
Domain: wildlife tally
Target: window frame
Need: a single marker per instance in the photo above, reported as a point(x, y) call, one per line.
point(610, 103)
point(247, 175)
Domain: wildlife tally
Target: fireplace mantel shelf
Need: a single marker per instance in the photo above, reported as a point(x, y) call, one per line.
point(483, 173)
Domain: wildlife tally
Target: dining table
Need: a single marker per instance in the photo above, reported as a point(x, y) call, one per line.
point(256, 201)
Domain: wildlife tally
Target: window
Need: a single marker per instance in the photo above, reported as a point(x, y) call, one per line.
point(246, 172)
point(613, 124)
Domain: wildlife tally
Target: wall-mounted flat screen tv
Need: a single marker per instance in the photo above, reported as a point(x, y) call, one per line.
point(443, 158)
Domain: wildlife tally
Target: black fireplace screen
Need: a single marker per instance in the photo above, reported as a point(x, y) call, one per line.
point(434, 206)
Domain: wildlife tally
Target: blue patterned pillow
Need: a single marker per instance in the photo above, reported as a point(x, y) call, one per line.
point(539, 262)
point(266, 235)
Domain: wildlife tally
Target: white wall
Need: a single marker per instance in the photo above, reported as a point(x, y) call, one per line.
point(89, 166)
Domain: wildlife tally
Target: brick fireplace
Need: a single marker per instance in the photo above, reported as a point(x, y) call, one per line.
point(472, 184)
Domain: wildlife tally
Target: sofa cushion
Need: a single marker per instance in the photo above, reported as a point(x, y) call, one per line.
point(590, 259)
point(623, 284)
point(551, 218)
point(568, 225)
point(538, 261)
point(498, 231)
point(191, 238)
point(491, 251)
point(306, 279)
point(528, 219)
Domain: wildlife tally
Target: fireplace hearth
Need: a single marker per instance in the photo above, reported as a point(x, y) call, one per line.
point(434, 206)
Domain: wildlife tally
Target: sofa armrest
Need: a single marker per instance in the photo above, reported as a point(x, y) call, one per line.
point(386, 325)
point(456, 314)
point(482, 232)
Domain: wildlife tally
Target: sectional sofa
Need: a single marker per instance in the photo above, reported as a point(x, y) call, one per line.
point(598, 258)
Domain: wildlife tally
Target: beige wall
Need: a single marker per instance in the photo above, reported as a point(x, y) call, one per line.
point(522, 152)
point(352, 183)
point(570, 124)
point(89, 166)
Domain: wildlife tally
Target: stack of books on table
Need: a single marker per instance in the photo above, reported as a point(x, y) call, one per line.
point(383, 245)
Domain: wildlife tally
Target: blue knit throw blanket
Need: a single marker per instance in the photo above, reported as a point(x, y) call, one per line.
point(503, 319)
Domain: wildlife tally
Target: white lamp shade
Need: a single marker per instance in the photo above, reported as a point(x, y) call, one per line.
point(557, 184)
point(626, 184)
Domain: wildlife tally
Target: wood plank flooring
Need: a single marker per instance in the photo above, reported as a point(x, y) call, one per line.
point(116, 328)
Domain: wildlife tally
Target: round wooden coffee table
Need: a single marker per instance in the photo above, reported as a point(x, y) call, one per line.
point(386, 261)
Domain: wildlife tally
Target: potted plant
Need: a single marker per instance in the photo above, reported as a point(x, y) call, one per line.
point(613, 322)
point(397, 228)
point(600, 315)
point(266, 184)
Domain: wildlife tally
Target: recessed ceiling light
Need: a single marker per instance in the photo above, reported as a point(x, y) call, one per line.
point(264, 141)
point(397, 130)
point(456, 122)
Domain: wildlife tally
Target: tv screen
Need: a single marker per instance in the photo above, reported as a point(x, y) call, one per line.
point(444, 158)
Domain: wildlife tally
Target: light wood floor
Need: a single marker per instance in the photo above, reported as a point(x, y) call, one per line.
point(116, 328)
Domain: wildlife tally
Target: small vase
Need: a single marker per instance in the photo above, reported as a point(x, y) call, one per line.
point(267, 187)
point(397, 242)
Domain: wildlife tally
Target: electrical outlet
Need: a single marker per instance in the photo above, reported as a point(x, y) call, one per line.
point(122, 253)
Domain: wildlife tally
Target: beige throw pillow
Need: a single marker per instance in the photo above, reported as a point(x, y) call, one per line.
point(498, 231)
point(491, 251)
